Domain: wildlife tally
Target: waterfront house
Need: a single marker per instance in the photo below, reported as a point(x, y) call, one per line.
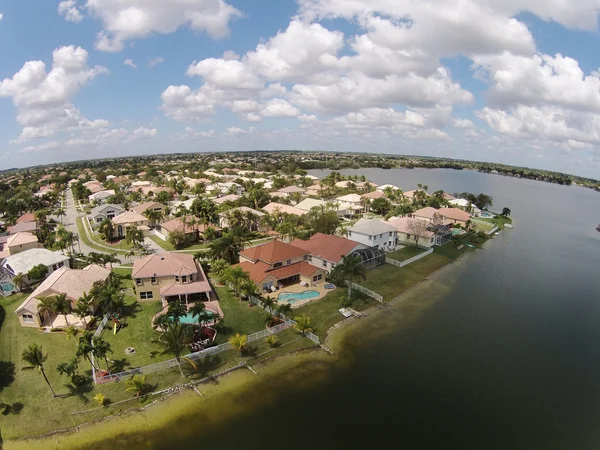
point(172, 276)
point(373, 233)
point(277, 264)
point(72, 282)
point(435, 234)
point(100, 213)
point(426, 213)
point(352, 203)
point(455, 215)
point(326, 250)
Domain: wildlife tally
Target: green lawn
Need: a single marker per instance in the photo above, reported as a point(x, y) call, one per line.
point(498, 221)
point(94, 243)
point(405, 253)
point(484, 227)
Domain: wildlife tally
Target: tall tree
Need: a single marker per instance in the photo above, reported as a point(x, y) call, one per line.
point(35, 357)
point(101, 349)
point(106, 230)
point(175, 340)
point(417, 228)
point(227, 247)
point(47, 307)
point(176, 310)
point(353, 269)
point(62, 305)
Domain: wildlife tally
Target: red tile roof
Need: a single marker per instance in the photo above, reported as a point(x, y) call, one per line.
point(273, 252)
point(27, 217)
point(259, 271)
point(326, 246)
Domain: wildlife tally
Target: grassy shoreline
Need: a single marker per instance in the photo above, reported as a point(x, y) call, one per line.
point(329, 326)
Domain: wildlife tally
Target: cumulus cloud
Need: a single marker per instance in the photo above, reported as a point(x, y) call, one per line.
point(43, 99)
point(130, 63)
point(1, 16)
point(70, 11)
point(153, 62)
point(137, 19)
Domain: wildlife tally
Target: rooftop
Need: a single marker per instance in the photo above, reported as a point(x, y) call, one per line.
point(272, 252)
point(326, 246)
point(21, 238)
point(260, 270)
point(371, 227)
point(166, 264)
point(273, 208)
point(128, 217)
point(24, 261)
point(142, 208)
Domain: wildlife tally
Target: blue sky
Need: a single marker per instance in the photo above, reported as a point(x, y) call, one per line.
point(513, 81)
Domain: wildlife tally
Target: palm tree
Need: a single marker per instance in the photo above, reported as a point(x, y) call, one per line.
point(239, 342)
point(176, 310)
point(72, 332)
point(62, 305)
point(154, 216)
point(85, 349)
point(47, 306)
point(94, 258)
point(227, 247)
point(60, 213)
point(19, 280)
point(101, 349)
point(136, 384)
point(174, 340)
point(284, 309)
point(268, 304)
point(198, 309)
point(352, 269)
point(34, 356)
point(303, 323)
point(82, 308)
point(134, 236)
point(505, 212)
point(106, 230)
point(110, 259)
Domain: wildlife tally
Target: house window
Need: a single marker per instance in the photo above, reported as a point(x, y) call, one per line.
point(381, 235)
point(318, 277)
point(324, 263)
point(184, 279)
point(370, 237)
point(27, 318)
point(146, 295)
point(277, 264)
point(176, 278)
point(288, 262)
point(309, 258)
point(98, 219)
point(54, 267)
point(153, 280)
point(349, 233)
point(305, 257)
point(138, 282)
point(60, 264)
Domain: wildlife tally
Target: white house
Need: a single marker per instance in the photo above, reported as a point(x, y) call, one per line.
point(102, 196)
point(309, 203)
point(288, 190)
point(353, 203)
point(108, 211)
point(23, 262)
point(383, 187)
point(373, 233)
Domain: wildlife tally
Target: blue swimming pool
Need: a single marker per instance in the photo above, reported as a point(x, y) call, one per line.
point(192, 319)
point(293, 297)
point(7, 287)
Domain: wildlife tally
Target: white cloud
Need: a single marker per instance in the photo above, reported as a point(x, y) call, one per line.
point(136, 19)
point(153, 62)
point(1, 16)
point(43, 98)
point(181, 103)
point(70, 11)
point(279, 108)
point(130, 63)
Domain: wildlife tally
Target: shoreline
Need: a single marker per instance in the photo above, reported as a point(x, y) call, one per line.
point(186, 401)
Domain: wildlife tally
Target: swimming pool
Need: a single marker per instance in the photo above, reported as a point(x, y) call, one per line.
point(7, 287)
point(192, 319)
point(293, 297)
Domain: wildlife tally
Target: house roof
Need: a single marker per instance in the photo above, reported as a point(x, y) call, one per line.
point(177, 224)
point(227, 198)
point(402, 226)
point(243, 209)
point(272, 252)
point(411, 194)
point(454, 214)
point(21, 238)
point(186, 288)
point(275, 207)
point(24, 261)
point(459, 202)
point(142, 208)
point(166, 264)
point(385, 186)
point(448, 196)
point(371, 227)
point(27, 217)
point(425, 213)
point(260, 270)
point(102, 194)
point(98, 209)
point(24, 227)
point(128, 217)
point(373, 195)
point(351, 198)
point(72, 282)
point(308, 203)
point(292, 189)
point(326, 246)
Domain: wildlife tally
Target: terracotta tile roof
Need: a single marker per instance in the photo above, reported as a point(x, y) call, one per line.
point(72, 282)
point(177, 224)
point(292, 189)
point(411, 194)
point(425, 213)
point(186, 288)
point(167, 264)
point(326, 246)
point(259, 271)
point(373, 195)
point(273, 208)
point(141, 209)
point(227, 198)
point(272, 252)
point(21, 239)
point(128, 217)
point(24, 226)
point(454, 214)
point(27, 217)
point(402, 226)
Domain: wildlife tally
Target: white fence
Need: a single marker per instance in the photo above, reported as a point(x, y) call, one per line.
point(171, 363)
point(408, 261)
point(308, 334)
point(492, 231)
point(364, 290)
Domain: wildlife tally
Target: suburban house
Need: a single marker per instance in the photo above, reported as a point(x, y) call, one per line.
point(72, 282)
point(227, 198)
point(287, 191)
point(411, 194)
point(309, 203)
point(27, 217)
point(373, 195)
point(435, 234)
point(21, 242)
point(277, 264)
point(24, 227)
point(102, 196)
point(170, 277)
point(128, 219)
point(23, 262)
point(426, 213)
point(353, 203)
point(465, 205)
point(373, 233)
point(153, 206)
point(102, 212)
point(225, 216)
point(327, 250)
point(230, 187)
point(385, 187)
point(94, 186)
point(274, 208)
point(183, 224)
point(456, 215)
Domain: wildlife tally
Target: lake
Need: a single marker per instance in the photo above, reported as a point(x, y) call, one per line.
point(505, 356)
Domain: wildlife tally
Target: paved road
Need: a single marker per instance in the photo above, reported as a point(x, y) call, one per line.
point(70, 223)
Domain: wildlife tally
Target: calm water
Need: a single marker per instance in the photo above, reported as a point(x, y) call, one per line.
point(508, 358)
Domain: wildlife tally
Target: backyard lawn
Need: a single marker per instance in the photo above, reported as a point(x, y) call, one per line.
point(405, 253)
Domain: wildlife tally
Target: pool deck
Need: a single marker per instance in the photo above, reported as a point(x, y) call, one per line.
point(296, 288)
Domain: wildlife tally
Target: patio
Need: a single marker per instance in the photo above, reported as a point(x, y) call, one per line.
point(297, 288)
point(74, 321)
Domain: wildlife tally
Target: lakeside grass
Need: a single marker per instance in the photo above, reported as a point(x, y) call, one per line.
point(499, 221)
point(405, 253)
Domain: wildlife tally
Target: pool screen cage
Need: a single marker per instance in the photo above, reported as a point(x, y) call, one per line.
point(371, 257)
